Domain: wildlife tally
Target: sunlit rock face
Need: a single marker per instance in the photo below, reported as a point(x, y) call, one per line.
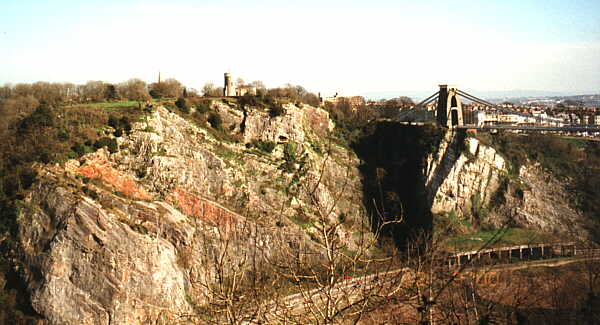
point(472, 180)
point(131, 237)
point(459, 179)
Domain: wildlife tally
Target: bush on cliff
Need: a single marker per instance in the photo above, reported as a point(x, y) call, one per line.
point(215, 121)
point(266, 146)
point(111, 144)
point(276, 110)
point(183, 105)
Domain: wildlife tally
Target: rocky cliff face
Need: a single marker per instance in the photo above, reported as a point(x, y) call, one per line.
point(463, 176)
point(541, 202)
point(473, 181)
point(140, 235)
point(132, 237)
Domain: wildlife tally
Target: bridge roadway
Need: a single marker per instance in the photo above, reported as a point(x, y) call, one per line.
point(531, 128)
point(517, 127)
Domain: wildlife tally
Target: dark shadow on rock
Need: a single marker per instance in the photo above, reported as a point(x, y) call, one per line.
point(394, 176)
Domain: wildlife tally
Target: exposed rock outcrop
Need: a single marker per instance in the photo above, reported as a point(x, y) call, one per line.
point(291, 126)
point(132, 237)
point(542, 202)
point(462, 181)
point(473, 181)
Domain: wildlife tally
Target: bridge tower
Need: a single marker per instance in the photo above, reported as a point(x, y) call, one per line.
point(449, 108)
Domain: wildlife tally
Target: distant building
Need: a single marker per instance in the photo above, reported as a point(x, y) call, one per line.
point(481, 117)
point(229, 90)
point(243, 90)
point(333, 99)
point(354, 101)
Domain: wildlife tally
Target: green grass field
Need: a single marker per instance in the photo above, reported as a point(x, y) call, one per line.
point(108, 105)
point(120, 104)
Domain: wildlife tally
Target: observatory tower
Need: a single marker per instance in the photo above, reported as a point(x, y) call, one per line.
point(228, 89)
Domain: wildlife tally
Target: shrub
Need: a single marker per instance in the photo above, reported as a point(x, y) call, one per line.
point(290, 151)
point(248, 100)
point(119, 125)
point(215, 121)
point(113, 121)
point(291, 158)
point(182, 104)
point(268, 100)
point(78, 148)
point(62, 134)
point(111, 144)
point(266, 146)
point(125, 124)
point(276, 110)
point(202, 106)
point(90, 192)
point(41, 117)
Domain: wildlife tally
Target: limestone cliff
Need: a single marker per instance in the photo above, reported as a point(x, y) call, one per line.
point(463, 180)
point(473, 181)
point(132, 237)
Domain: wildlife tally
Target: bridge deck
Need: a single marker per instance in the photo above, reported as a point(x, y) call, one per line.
point(531, 128)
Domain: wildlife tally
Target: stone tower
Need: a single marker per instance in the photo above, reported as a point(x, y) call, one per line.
point(449, 108)
point(228, 89)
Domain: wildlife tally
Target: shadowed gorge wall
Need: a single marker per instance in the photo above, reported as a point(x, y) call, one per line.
point(394, 158)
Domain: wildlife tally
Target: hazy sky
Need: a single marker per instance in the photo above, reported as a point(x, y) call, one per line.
point(347, 46)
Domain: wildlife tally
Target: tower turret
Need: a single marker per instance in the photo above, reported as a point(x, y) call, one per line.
point(228, 89)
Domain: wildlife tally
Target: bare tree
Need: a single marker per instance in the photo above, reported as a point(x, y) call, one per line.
point(240, 82)
point(210, 90)
point(6, 91)
point(134, 89)
point(93, 91)
point(167, 88)
point(231, 284)
point(322, 274)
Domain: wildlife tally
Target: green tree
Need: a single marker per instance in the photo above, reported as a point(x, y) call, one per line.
point(183, 105)
point(111, 92)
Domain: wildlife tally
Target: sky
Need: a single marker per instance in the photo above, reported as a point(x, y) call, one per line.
point(350, 47)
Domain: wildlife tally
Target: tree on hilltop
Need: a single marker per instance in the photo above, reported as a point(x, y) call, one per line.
point(209, 89)
point(134, 89)
point(168, 88)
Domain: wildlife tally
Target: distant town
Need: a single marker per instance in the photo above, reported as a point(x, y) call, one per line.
point(552, 111)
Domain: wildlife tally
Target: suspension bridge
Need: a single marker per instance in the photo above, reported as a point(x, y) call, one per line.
point(479, 114)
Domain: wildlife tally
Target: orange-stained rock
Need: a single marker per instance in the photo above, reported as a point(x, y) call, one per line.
point(101, 169)
point(204, 210)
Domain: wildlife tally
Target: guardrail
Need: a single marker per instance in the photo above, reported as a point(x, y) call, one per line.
point(520, 252)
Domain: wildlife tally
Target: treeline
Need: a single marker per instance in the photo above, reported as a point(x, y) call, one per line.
point(350, 118)
point(55, 94)
point(294, 93)
point(24, 96)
